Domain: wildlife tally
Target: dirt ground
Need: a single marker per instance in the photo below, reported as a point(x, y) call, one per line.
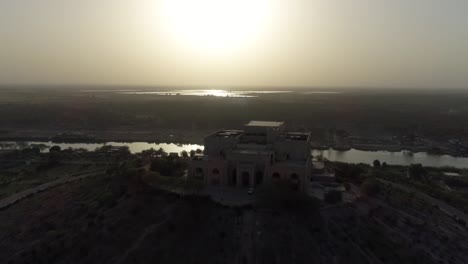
point(121, 220)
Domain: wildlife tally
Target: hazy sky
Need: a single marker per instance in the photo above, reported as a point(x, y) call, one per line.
point(378, 43)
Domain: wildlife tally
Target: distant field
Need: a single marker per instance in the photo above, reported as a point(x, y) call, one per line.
point(17, 178)
point(437, 115)
point(116, 219)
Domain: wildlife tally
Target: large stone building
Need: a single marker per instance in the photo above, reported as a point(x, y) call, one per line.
point(260, 153)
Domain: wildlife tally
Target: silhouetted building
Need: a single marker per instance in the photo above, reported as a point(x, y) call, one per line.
point(260, 153)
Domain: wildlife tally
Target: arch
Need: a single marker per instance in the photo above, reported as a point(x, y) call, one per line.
point(215, 179)
point(233, 180)
point(245, 179)
point(199, 173)
point(276, 176)
point(259, 177)
point(295, 181)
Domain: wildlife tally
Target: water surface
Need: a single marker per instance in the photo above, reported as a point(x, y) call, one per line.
point(209, 92)
point(134, 147)
point(394, 158)
point(351, 156)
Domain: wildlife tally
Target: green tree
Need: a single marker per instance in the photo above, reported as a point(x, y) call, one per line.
point(168, 166)
point(123, 152)
point(160, 152)
point(333, 197)
point(31, 151)
point(351, 172)
point(55, 149)
point(417, 171)
point(370, 187)
point(377, 163)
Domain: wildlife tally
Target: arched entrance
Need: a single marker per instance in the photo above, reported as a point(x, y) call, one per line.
point(199, 173)
point(245, 179)
point(215, 177)
point(295, 181)
point(233, 180)
point(258, 178)
point(276, 176)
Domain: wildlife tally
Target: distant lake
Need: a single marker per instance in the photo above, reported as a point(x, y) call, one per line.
point(211, 92)
point(350, 156)
point(393, 158)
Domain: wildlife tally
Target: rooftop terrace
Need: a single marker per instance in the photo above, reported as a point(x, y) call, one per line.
point(296, 136)
point(264, 124)
point(228, 133)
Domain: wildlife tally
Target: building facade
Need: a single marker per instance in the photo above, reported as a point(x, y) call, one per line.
point(260, 153)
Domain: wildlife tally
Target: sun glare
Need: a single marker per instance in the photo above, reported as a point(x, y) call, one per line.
point(215, 26)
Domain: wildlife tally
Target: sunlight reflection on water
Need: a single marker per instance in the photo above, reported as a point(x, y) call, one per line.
point(404, 158)
point(206, 92)
point(134, 147)
point(212, 92)
point(350, 156)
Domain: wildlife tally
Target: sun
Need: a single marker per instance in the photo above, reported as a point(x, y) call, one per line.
point(215, 26)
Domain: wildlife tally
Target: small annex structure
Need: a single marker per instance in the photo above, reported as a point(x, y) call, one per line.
point(262, 152)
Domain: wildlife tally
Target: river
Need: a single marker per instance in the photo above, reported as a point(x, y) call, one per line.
point(134, 147)
point(350, 156)
point(393, 158)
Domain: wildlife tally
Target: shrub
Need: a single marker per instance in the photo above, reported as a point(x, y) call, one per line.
point(55, 149)
point(370, 187)
point(168, 166)
point(333, 197)
point(376, 163)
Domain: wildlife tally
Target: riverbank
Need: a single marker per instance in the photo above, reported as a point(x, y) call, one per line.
point(89, 136)
point(194, 136)
point(394, 148)
point(403, 158)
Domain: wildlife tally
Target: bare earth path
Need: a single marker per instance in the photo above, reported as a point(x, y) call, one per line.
point(447, 208)
point(12, 199)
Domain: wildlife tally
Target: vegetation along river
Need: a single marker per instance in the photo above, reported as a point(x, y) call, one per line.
point(350, 156)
